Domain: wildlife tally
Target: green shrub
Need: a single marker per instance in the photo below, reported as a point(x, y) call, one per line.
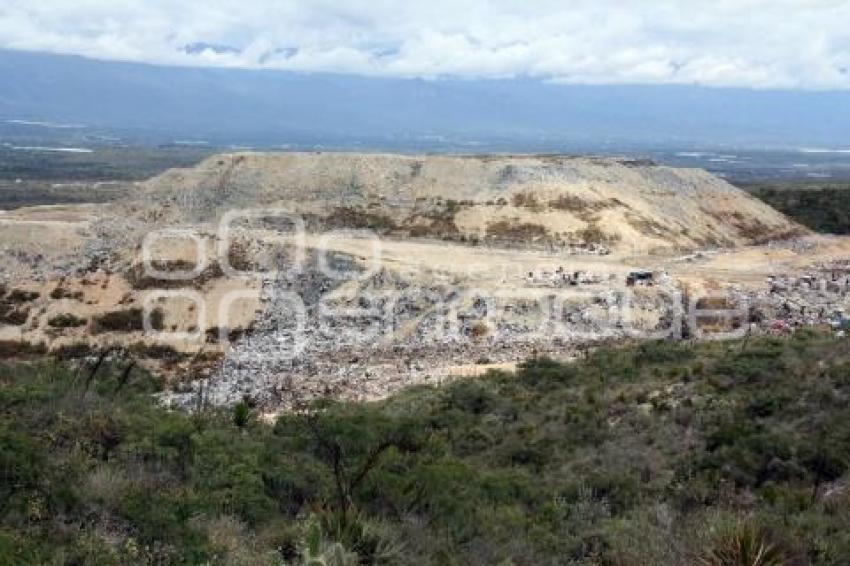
point(756, 364)
point(241, 414)
point(17, 296)
point(14, 316)
point(163, 517)
point(66, 321)
point(61, 293)
point(544, 370)
point(130, 320)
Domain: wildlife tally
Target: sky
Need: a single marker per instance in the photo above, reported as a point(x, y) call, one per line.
point(760, 44)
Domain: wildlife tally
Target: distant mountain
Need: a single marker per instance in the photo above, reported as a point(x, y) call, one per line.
point(272, 107)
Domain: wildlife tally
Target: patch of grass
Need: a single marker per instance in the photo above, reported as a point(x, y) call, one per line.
point(527, 200)
point(593, 234)
point(646, 226)
point(515, 231)
point(583, 208)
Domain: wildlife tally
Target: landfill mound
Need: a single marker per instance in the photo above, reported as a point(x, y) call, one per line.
point(482, 261)
point(579, 204)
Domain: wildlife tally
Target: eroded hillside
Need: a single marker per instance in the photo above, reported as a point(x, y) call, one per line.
point(579, 203)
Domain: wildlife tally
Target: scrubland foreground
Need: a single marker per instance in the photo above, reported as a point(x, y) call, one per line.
point(651, 453)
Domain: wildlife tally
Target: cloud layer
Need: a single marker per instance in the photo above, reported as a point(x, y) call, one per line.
point(739, 43)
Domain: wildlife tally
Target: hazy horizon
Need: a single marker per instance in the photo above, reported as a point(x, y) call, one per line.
point(271, 107)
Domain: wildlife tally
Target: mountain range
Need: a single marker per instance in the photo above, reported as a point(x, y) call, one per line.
point(264, 107)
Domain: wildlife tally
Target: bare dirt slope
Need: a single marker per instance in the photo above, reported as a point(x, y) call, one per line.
point(576, 202)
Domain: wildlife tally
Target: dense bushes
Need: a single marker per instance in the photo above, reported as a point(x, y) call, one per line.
point(652, 454)
point(821, 207)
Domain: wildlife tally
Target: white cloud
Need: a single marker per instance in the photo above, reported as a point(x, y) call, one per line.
point(746, 43)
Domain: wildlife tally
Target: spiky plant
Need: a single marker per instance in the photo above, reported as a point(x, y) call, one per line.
point(745, 544)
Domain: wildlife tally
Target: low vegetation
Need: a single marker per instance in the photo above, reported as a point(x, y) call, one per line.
point(359, 219)
point(14, 316)
point(505, 230)
point(593, 234)
point(14, 309)
point(66, 320)
point(721, 453)
point(438, 222)
point(61, 292)
point(129, 320)
point(17, 349)
point(821, 207)
point(177, 273)
point(33, 178)
point(587, 210)
point(527, 200)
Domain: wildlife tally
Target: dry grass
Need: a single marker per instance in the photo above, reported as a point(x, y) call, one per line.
point(582, 208)
point(515, 232)
point(646, 226)
point(479, 330)
point(527, 200)
point(593, 234)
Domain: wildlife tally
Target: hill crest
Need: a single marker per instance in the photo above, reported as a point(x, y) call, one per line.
point(554, 200)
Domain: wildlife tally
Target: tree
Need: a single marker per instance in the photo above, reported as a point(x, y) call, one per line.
point(351, 441)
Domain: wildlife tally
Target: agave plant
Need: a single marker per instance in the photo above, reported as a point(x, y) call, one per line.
point(745, 544)
point(317, 550)
point(335, 538)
